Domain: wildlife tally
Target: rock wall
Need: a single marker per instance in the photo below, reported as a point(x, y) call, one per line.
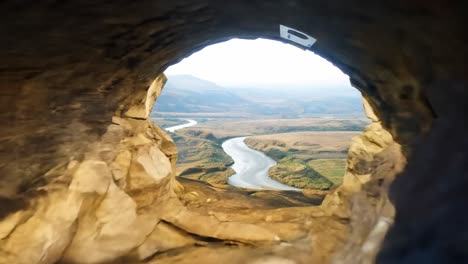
point(104, 204)
point(374, 161)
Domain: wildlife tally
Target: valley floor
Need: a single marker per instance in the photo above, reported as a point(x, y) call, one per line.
point(313, 158)
point(306, 160)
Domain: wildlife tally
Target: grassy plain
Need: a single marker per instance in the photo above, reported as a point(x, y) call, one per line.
point(332, 169)
point(272, 126)
point(311, 160)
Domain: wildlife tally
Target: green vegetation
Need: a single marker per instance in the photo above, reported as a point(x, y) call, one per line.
point(332, 169)
point(309, 160)
point(296, 172)
point(276, 154)
point(201, 157)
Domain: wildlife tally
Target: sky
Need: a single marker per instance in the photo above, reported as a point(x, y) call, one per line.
point(261, 62)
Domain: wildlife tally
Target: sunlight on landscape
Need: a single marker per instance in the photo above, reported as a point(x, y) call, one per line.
point(296, 110)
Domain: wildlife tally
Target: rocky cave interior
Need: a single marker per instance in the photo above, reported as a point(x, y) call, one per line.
point(86, 178)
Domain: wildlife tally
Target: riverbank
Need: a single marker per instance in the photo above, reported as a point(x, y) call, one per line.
point(190, 123)
point(251, 167)
point(308, 160)
point(302, 157)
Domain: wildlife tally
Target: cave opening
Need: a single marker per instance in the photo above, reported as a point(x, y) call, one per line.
point(290, 111)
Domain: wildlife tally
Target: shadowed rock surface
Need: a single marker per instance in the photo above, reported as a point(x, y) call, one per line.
point(85, 178)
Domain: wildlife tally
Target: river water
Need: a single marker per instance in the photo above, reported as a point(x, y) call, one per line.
point(189, 124)
point(251, 167)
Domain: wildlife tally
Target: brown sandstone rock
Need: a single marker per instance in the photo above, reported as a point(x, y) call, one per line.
point(164, 237)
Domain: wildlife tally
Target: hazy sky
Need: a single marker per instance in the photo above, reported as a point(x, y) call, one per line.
point(240, 62)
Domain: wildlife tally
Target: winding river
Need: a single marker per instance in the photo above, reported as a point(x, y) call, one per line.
point(251, 167)
point(189, 124)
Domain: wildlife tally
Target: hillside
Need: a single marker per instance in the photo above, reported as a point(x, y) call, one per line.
point(188, 94)
point(185, 93)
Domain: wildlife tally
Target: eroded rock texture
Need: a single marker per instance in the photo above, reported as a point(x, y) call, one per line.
point(93, 207)
point(85, 178)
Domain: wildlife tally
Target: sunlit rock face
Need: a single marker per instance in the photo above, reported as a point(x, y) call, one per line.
point(85, 178)
point(374, 160)
point(93, 209)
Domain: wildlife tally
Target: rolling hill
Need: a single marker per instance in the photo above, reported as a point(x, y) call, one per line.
point(188, 94)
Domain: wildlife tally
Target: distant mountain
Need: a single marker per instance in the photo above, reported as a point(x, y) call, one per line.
point(188, 94)
point(303, 101)
point(191, 83)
